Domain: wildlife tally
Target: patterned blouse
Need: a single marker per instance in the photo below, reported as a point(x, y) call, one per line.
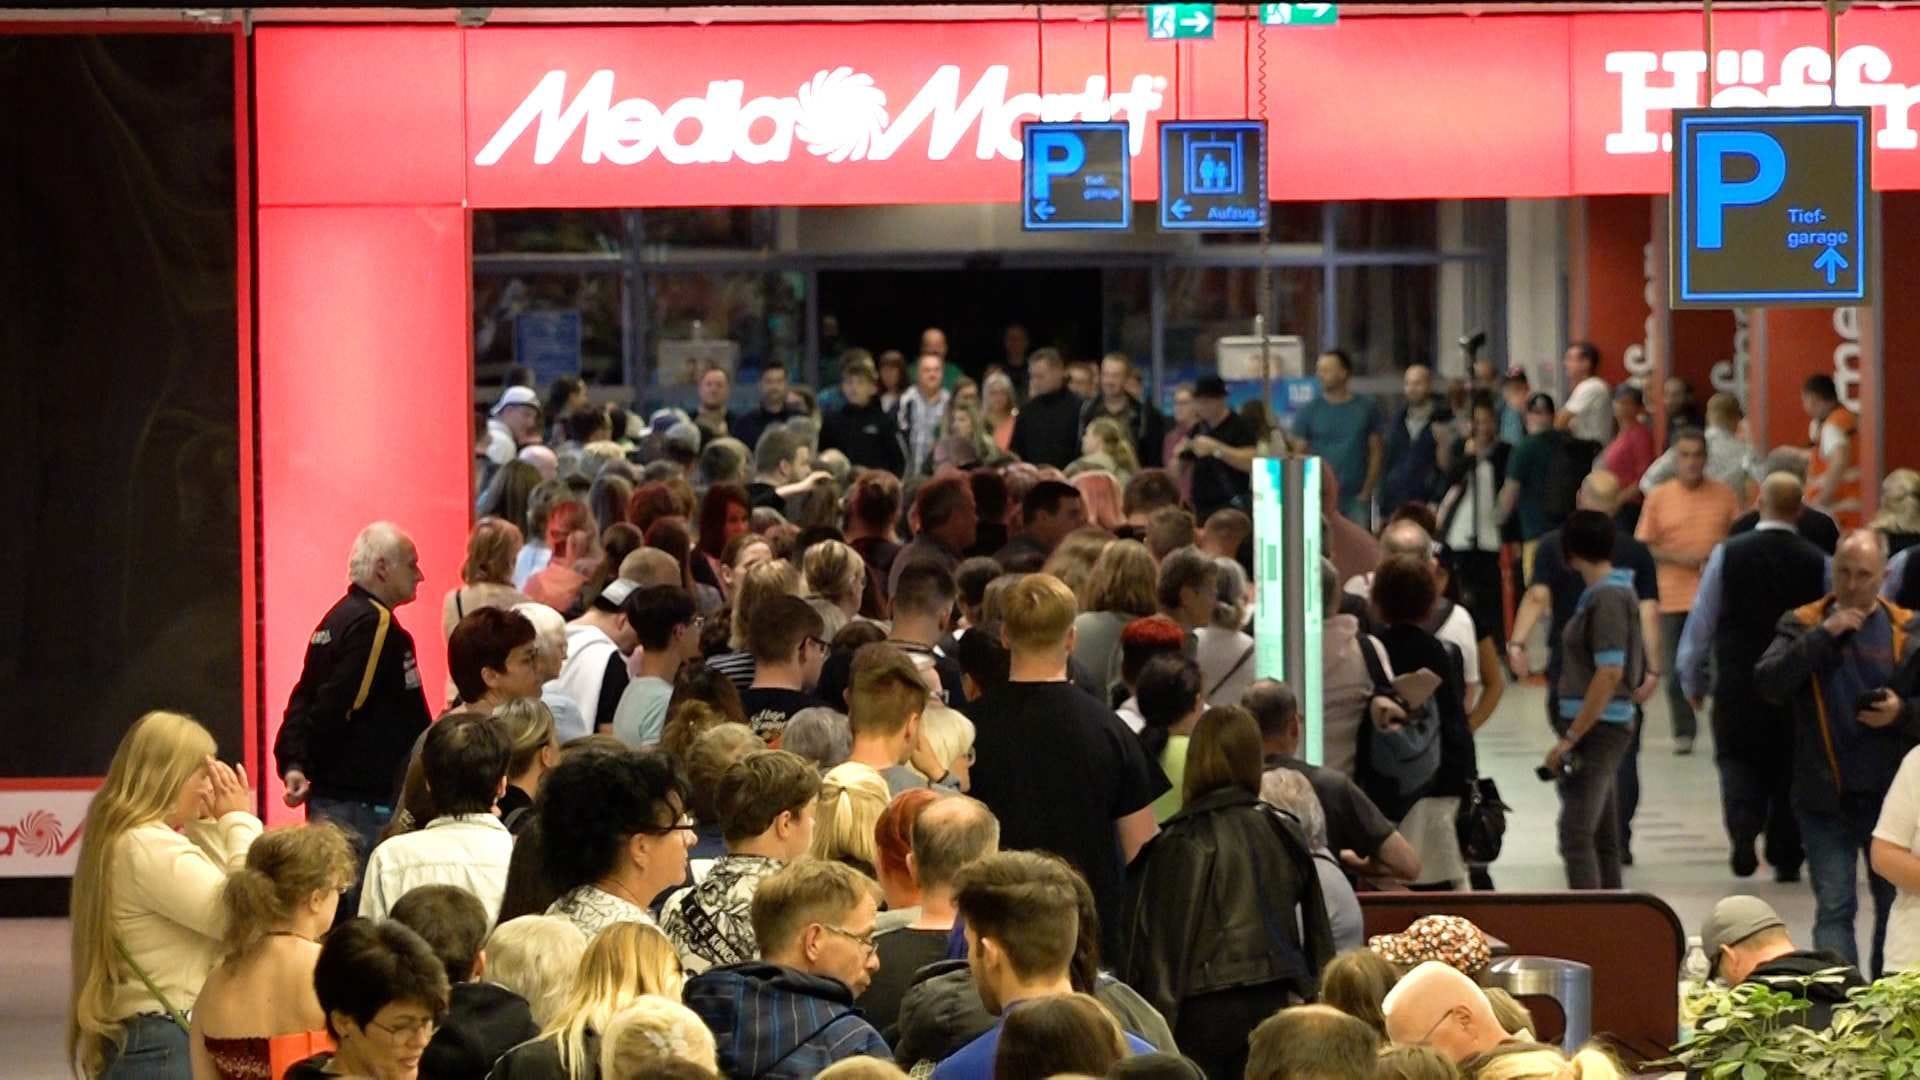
point(593, 910)
point(711, 924)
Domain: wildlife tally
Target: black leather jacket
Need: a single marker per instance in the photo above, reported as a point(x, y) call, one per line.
point(1225, 897)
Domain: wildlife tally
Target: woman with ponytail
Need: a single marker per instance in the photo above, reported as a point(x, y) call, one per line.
point(1168, 692)
point(852, 798)
point(166, 826)
point(258, 1011)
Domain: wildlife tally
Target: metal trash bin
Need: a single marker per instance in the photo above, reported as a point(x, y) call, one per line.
point(1568, 982)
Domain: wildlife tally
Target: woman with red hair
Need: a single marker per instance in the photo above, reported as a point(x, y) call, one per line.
point(725, 513)
point(1142, 640)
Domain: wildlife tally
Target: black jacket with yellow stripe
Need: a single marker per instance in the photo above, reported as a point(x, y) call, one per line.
point(352, 719)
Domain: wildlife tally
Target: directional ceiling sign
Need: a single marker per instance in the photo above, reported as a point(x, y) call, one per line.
point(1770, 207)
point(1213, 175)
point(1169, 22)
point(1076, 177)
point(1299, 14)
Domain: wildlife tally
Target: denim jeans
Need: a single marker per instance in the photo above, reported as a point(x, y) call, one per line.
point(1836, 845)
point(363, 823)
point(1590, 811)
point(1627, 784)
point(155, 1049)
point(1685, 725)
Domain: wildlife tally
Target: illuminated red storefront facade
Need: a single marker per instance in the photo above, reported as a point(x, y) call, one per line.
point(372, 145)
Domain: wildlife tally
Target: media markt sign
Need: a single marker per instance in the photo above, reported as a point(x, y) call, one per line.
point(1168, 22)
point(1770, 207)
point(1299, 14)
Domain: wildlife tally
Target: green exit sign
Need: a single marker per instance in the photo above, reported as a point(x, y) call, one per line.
point(1299, 14)
point(1169, 22)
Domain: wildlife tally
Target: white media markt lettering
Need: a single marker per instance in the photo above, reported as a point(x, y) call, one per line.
point(839, 114)
point(1741, 76)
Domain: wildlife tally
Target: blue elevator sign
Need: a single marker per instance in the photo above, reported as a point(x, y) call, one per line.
point(1076, 176)
point(1213, 175)
point(1770, 207)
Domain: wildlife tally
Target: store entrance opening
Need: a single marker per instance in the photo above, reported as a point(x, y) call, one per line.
point(888, 309)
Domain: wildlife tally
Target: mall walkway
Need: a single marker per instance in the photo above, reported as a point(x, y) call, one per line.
point(1680, 852)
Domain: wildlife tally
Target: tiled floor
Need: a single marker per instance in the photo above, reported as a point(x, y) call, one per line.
point(1679, 845)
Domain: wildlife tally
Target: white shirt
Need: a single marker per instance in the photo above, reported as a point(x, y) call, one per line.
point(588, 650)
point(1900, 825)
point(1473, 526)
point(1591, 404)
point(501, 445)
point(167, 908)
point(1458, 630)
point(468, 850)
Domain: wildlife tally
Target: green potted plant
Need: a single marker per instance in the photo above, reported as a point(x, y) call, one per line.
point(1754, 1032)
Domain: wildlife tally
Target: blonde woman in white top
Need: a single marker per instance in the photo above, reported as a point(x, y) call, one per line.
point(162, 834)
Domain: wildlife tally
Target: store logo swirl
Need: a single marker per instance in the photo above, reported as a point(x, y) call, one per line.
point(839, 114)
point(38, 834)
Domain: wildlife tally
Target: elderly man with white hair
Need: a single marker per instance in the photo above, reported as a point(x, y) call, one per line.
point(352, 719)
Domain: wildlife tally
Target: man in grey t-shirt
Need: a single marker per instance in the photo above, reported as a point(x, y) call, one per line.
point(1604, 656)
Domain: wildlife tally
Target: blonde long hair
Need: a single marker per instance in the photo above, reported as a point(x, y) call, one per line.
point(622, 964)
point(156, 759)
point(852, 798)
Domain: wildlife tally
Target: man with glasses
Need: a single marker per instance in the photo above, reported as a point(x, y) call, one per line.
point(1437, 1006)
point(790, 1014)
point(663, 619)
point(787, 638)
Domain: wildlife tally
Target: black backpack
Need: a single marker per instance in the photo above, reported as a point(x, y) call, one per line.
point(1569, 460)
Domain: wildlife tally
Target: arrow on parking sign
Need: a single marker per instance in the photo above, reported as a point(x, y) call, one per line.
point(1181, 208)
point(1043, 210)
point(1832, 262)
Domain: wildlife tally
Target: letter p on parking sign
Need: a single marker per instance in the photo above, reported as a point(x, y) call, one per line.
point(1770, 207)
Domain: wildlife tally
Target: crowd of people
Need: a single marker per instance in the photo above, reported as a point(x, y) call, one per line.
point(921, 733)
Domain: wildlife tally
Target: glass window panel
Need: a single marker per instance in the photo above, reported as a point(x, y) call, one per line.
point(498, 232)
point(745, 319)
point(1387, 320)
point(1205, 304)
point(1384, 225)
point(499, 298)
point(708, 227)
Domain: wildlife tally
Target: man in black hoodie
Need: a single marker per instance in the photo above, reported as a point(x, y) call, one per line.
point(483, 1021)
point(1746, 942)
point(862, 430)
point(1047, 431)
